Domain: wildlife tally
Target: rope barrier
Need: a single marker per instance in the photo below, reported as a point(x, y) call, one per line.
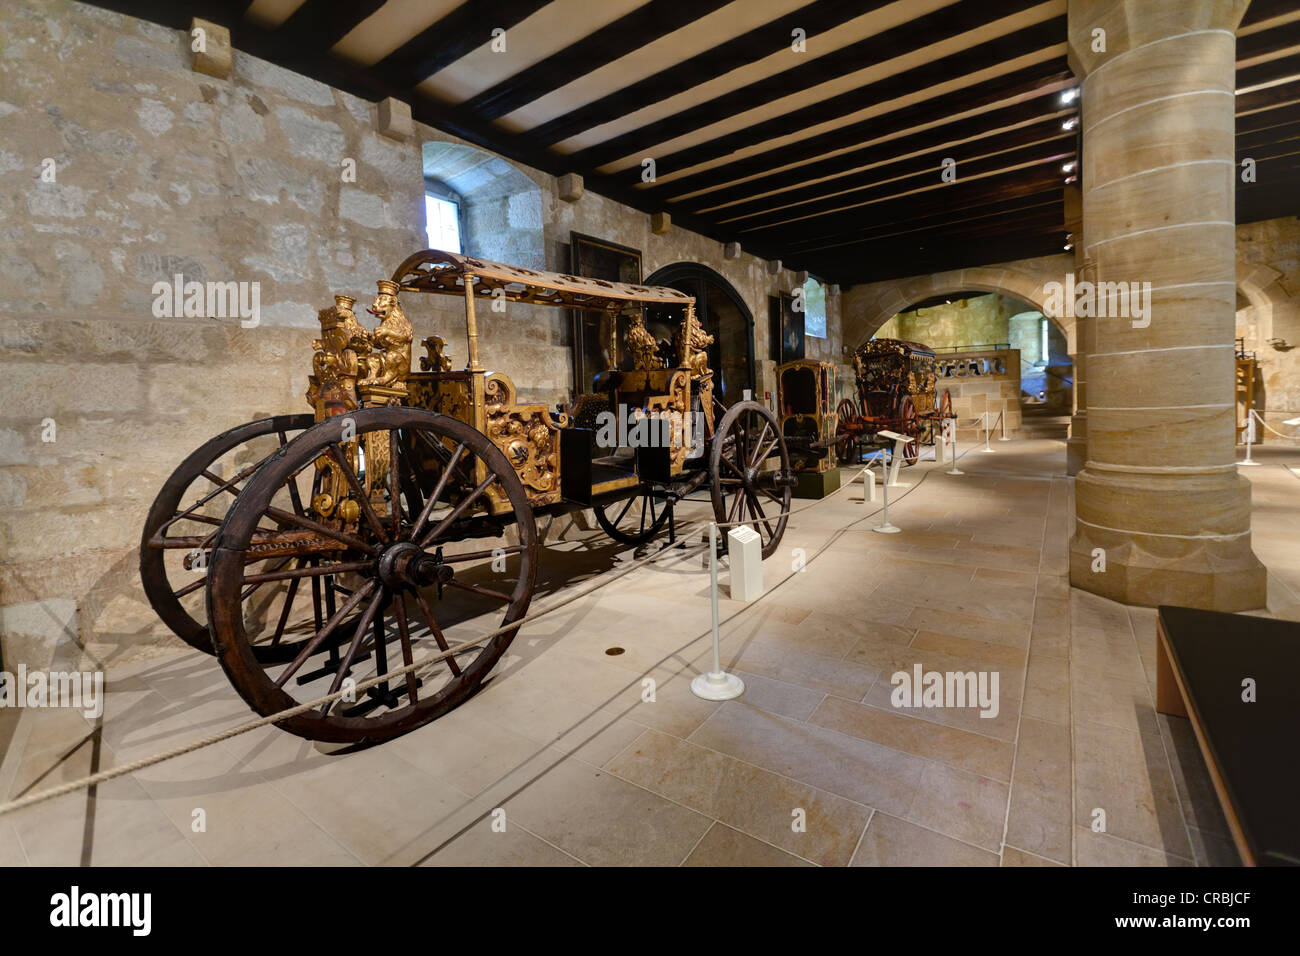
point(1260, 419)
point(608, 578)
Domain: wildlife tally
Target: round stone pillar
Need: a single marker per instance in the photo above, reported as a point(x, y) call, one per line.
point(1076, 446)
point(1162, 515)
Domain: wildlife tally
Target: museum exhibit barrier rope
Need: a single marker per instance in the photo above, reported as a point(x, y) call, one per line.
point(143, 763)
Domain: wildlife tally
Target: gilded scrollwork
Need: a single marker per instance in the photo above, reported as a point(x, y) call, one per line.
point(528, 436)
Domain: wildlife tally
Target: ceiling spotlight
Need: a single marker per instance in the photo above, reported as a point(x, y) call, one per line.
point(1070, 95)
point(1068, 167)
point(1071, 179)
point(1068, 246)
point(1071, 123)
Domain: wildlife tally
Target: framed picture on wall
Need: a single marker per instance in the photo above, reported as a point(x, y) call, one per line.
point(786, 329)
point(595, 334)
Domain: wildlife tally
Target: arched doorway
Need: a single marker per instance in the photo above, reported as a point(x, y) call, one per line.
point(725, 316)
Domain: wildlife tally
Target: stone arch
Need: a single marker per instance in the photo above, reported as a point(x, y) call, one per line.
point(1275, 315)
point(867, 308)
point(501, 207)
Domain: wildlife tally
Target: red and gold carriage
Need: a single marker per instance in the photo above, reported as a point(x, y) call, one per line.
point(896, 384)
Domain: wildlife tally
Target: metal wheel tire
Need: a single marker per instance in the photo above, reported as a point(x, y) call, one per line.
point(391, 563)
point(910, 426)
point(748, 436)
point(160, 553)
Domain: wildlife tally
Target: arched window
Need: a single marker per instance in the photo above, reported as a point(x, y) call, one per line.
point(814, 302)
point(442, 221)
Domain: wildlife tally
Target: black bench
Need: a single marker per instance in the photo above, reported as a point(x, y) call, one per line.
point(1251, 749)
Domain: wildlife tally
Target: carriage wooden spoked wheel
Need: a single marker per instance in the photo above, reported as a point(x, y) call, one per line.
point(183, 522)
point(637, 519)
point(743, 486)
point(909, 423)
point(846, 431)
point(401, 580)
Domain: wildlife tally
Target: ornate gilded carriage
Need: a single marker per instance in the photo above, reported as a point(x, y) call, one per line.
point(369, 509)
point(896, 386)
point(808, 420)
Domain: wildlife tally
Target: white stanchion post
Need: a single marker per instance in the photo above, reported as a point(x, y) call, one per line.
point(986, 450)
point(1250, 437)
point(885, 527)
point(951, 427)
point(717, 684)
point(896, 459)
point(1002, 420)
point(745, 558)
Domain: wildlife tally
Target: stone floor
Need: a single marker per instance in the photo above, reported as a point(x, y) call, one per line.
point(811, 766)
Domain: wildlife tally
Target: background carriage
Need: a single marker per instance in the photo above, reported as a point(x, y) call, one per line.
point(304, 550)
point(896, 386)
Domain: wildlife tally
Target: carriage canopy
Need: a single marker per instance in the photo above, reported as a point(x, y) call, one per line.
point(433, 270)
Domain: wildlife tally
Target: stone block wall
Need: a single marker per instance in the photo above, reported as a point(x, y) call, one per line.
point(995, 390)
point(122, 167)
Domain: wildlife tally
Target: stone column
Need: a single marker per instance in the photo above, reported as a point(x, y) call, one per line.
point(1159, 503)
point(1076, 446)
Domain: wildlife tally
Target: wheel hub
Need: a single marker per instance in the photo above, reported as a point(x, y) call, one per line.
point(404, 565)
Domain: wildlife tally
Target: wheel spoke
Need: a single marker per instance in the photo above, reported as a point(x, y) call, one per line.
point(459, 510)
point(316, 571)
point(352, 541)
point(626, 506)
point(349, 656)
point(447, 469)
point(330, 626)
point(759, 514)
point(284, 614)
point(757, 444)
point(404, 633)
point(436, 631)
point(363, 499)
point(480, 555)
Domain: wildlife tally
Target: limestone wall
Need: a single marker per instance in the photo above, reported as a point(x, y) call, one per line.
point(982, 382)
point(159, 171)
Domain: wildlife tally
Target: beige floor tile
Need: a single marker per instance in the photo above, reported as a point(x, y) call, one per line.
point(1099, 698)
point(1039, 819)
point(482, 845)
point(1014, 857)
point(1047, 689)
point(890, 841)
point(758, 802)
point(780, 697)
point(1127, 775)
point(1212, 849)
point(1113, 652)
point(1009, 633)
point(957, 748)
point(723, 846)
point(603, 820)
point(1101, 849)
point(859, 770)
point(1001, 725)
point(777, 660)
point(962, 805)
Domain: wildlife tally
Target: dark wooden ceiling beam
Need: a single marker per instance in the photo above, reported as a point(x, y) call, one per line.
point(907, 37)
point(1260, 10)
point(460, 32)
point(628, 33)
point(1029, 81)
point(1267, 72)
point(1268, 41)
point(876, 264)
point(814, 19)
point(962, 195)
point(1001, 213)
point(1275, 96)
point(1056, 151)
point(318, 25)
point(1267, 119)
point(846, 104)
point(976, 129)
point(907, 173)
